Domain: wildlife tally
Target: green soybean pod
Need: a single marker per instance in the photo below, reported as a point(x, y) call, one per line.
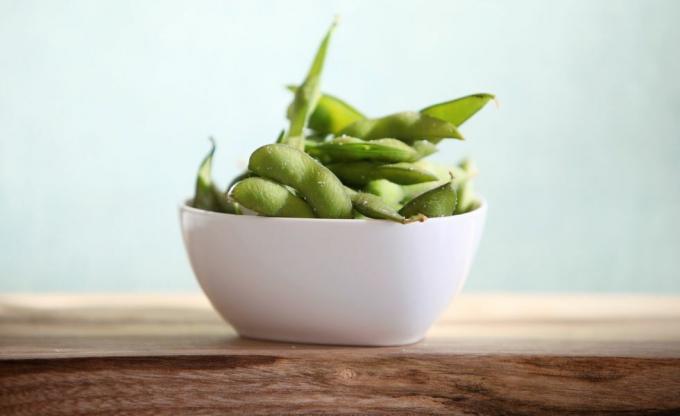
point(389, 192)
point(207, 196)
point(269, 199)
point(445, 173)
point(331, 114)
point(281, 136)
point(411, 191)
point(373, 206)
point(356, 215)
point(405, 173)
point(438, 202)
point(241, 176)
point(317, 185)
point(248, 174)
point(408, 127)
point(358, 174)
point(349, 149)
point(315, 137)
point(458, 111)
point(442, 172)
point(307, 96)
point(458, 175)
point(424, 148)
point(466, 196)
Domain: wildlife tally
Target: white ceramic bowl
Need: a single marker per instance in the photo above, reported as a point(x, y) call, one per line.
point(353, 282)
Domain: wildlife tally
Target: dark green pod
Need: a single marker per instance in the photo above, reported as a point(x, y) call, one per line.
point(438, 202)
point(207, 196)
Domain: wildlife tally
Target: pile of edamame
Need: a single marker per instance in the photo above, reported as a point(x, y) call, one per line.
point(334, 162)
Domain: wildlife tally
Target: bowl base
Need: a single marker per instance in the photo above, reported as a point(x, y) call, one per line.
point(338, 342)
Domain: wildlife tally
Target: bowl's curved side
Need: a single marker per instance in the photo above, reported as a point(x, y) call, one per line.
point(330, 281)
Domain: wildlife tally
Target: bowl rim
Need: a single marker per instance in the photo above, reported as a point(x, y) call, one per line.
point(184, 206)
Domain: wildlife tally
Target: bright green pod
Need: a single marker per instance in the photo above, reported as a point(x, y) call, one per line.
point(408, 127)
point(331, 114)
point(269, 199)
point(350, 149)
point(438, 202)
point(424, 148)
point(358, 174)
point(459, 110)
point(389, 192)
point(315, 183)
point(466, 195)
point(307, 97)
point(207, 196)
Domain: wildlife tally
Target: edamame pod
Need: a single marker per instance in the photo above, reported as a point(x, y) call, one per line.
point(331, 114)
point(281, 136)
point(317, 185)
point(207, 196)
point(306, 97)
point(389, 192)
point(438, 202)
point(446, 173)
point(373, 207)
point(241, 176)
point(248, 174)
point(315, 138)
point(411, 191)
point(358, 174)
point(459, 110)
point(466, 197)
point(269, 199)
point(407, 126)
point(424, 148)
point(405, 173)
point(348, 149)
point(457, 175)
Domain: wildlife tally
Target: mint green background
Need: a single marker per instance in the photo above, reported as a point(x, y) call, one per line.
point(105, 107)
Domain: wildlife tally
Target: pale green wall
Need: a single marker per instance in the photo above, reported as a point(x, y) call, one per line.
point(105, 107)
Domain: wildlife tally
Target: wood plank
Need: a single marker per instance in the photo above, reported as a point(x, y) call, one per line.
point(488, 355)
point(316, 383)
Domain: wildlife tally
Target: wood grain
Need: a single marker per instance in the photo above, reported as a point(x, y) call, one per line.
point(488, 355)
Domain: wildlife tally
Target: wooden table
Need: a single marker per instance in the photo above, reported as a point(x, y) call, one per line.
point(488, 355)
